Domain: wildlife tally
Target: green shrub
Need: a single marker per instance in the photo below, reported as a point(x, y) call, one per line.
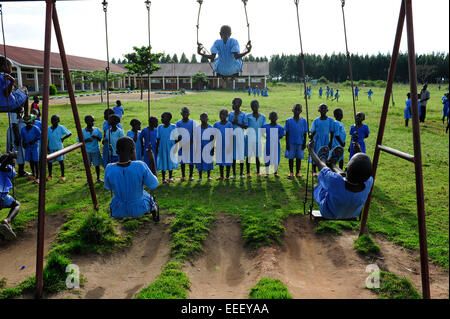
point(393, 287)
point(268, 288)
point(52, 89)
point(323, 80)
point(366, 246)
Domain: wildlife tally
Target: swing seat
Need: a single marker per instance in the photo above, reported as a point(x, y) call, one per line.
point(316, 215)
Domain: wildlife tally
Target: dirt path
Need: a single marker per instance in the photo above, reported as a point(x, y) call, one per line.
point(122, 274)
point(311, 265)
point(22, 252)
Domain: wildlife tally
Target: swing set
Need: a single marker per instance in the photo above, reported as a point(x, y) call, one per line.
point(405, 13)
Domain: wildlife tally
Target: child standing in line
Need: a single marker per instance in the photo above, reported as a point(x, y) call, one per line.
point(240, 123)
point(296, 128)
point(322, 130)
point(148, 138)
point(358, 132)
point(112, 135)
point(30, 135)
point(204, 166)
point(106, 153)
point(92, 135)
point(188, 125)
point(35, 106)
point(56, 136)
point(118, 109)
point(255, 121)
point(165, 150)
point(7, 174)
point(225, 151)
point(134, 134)
point(339, 133)
point(275, 132)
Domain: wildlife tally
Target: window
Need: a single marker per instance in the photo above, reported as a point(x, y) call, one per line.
point(168, 81)
point(186, 81)
point(14, 75)
point(156, 81)
point(241, 80)
point(256, 80)
point(30, 76)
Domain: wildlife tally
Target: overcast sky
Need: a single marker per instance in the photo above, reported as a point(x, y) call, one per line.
point(371, 25)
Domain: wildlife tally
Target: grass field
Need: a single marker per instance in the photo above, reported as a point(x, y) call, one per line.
point(261, 204)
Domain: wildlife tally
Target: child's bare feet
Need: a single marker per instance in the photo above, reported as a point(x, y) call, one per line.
point(249, 175)
point(298, 175)
point(290, 176)
point(62, 178)
point(258, 175)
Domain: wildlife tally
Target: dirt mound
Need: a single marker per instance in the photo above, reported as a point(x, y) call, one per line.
point(22, 251)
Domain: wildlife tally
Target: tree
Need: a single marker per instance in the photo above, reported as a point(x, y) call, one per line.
point(168, 59)
point(184, 59)
point(140, 62)
point(175, 58)
point(199, 80)
point(113, 61)
point(194, 59)
point(204, 60)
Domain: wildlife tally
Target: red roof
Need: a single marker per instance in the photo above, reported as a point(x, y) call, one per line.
point(35, 58)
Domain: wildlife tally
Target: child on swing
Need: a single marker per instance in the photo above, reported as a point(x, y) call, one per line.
point(30, 135)
point(11, 99)
point(7, 174)
point(56, 136)
point(92, 135)
point(322, 131)
point(126, 179)
point(229, 61)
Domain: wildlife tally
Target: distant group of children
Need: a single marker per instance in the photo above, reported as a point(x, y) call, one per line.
point(256, 91)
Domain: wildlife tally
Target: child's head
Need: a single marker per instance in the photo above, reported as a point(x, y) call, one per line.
point(135, 124)
point(360, 117)
point(236, 104)
point(273, 117)
point(36, 99)
point(297, 109)
point(153, 121)
point(20, 111)
point(225, 32)
point(204, 118)
point(255, 106)
point(185, 112)
point(223, 115)
point(166, 117)
point(338, 114)
point(34, 112)
point(29, 120)
point(54, 120)
point(408, 95)
point(118, 103)
point(5, 65)
point(359, 168)
point(113, 120)
point(126, 149)
point(323, 109)
point(89, 120)
point(108, 113)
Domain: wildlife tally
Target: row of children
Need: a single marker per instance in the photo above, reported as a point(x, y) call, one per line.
point(256, 91)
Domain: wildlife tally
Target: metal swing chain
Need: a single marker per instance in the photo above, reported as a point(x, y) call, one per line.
point(148, 4)
point(105, 10)
point(246, 17)
point(302, 57)
point(200, 2)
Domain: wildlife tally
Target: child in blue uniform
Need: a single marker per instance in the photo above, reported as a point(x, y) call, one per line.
point(134, 134)
point(224, 155)
point(322, 130)
point(250, 91)
point(56, 136)
point(206, 163)
point(273, 133)
point(336, 96)
point(126, 179)
point(445, 110)
point(356, 93)
point(106, 154)
point(296, 128)
point(7, 174)
point(30, 135)
point(331, 93)
point(118, 109)
point(10, 99)
point(369, 94)
point(342, 195)
point(320, 92)
point(148, 137)
point(186, 146)
point(358, 134)
point(112, 135)
point(407, 111)
point(328, 92)
point(166, 139)
point(253, 145)
point(229, 61)
point(13, 141)
point(240, 123)
point(92, 135)
point(339, 133)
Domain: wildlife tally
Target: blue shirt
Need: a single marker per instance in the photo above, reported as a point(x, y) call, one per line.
point(29, 135)
point(138, 143)
point(6, 179)
point(114, 138)
point(334, 200)
point(280, 131)
point(445, 109)
point(55, 136)
point(226, 63)
point(105, 126)
point(225, 151)
point(363, 132)
point(92, 147)
point(242, 119)
point(296, 130)
point(118, 110)
point(339, 130)
point(256, 123)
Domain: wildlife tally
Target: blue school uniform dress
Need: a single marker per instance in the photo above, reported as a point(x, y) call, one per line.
point(149, 138)
point(31, 151)
point(272, 150)
point(166, 144)
point(138, 143)
point(16, 98)
point(6, 186)
point(118, 110)
point(253, 136)
point(238, 152)
point(249, 91)
point(114, 138)
point(189, 126)
point(296, 130)
point(334, 200)
point(363, 132)
point(322, 129)
point(106, 156)
point(204, 166)
point(356, 92)
point(320, 92)
point(225, 63)
point(339, 130)
point(127, 183)
point(54, 140)
point(11, 138)
point(92, 148)
point(224, 156)
point(407, 112)
point(445, 108)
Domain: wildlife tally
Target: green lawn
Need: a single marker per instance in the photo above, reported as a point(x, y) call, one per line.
point(262, 205)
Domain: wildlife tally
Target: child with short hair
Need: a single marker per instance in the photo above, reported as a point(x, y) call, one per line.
point(92, 135)
point(356, 93)
point(118, 109)
point(10, 99)
point(240, 123)
point(339, 133)
point(188, 125)
point(322, 131)
point(295, 128)
point(126, 179)
point(358, 132)
point(206, 165)
point(320, 92)
point(7, 174)
point(336, 96)
point(369, 94)
point(134, 134)
point(223, 154)
point(273, 133)
point(30, 135)
point(148, 138)
point(112, 135)
point(56, 136)
point(166, 139)
point(35, 106)
point(407, 111)
point(106, 153)
point(253, 147)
